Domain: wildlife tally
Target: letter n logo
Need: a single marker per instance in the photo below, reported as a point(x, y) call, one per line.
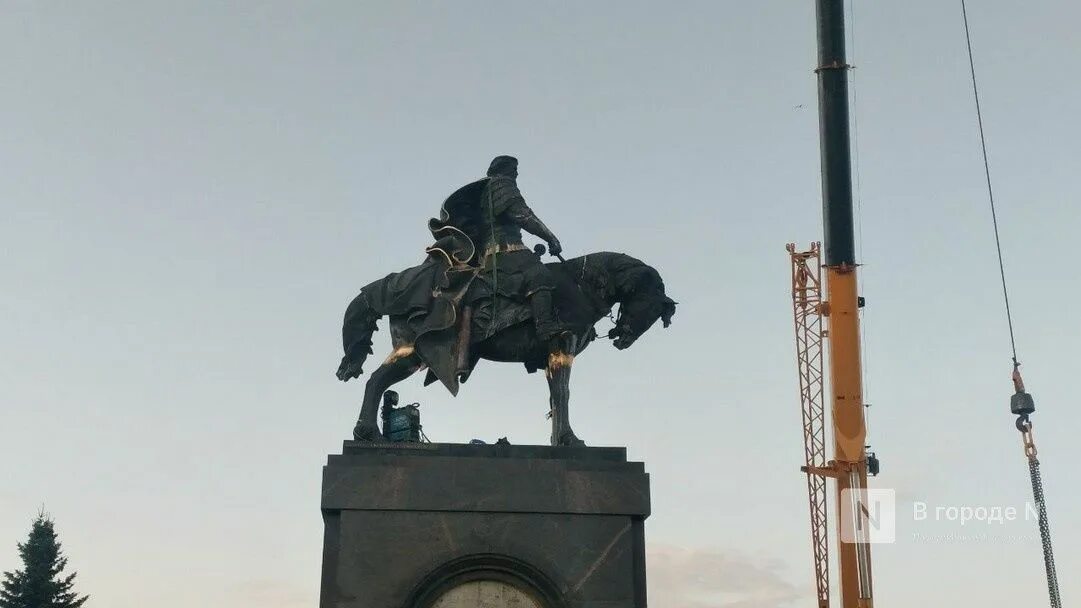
point(868, 516)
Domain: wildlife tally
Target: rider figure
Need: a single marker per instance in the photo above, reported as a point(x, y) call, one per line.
point(512, 269)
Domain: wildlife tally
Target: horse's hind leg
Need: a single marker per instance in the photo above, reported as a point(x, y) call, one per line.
point(401, 364)
point(560, 359)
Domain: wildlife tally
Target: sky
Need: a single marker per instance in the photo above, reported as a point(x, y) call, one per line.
point(192, 193)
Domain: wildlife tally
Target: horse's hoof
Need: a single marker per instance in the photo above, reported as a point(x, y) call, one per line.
point(569, 439)
point(367, 432)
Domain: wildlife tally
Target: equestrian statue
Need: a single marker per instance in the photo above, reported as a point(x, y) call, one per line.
point(481, 293)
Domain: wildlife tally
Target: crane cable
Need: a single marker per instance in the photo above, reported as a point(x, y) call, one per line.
point(1021, 403)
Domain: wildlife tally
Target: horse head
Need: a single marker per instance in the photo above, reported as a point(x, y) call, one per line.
point(639, 290)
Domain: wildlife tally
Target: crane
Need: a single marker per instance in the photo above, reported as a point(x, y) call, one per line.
point(838, 311)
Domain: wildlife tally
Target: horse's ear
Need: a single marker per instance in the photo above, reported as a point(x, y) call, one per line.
point(668, 310)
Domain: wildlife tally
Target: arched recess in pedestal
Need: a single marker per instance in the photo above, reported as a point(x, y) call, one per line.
point(497, 594)
point(496, 578)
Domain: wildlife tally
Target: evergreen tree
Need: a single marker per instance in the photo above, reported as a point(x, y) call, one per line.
point(40, 584)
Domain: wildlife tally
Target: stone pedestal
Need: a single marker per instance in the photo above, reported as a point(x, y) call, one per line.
point(455, 526)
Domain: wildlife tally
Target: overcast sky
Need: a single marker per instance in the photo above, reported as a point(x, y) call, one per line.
point(193, 192)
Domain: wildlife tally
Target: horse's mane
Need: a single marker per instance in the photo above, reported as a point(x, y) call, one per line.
point(601, 276)
point(607, 262)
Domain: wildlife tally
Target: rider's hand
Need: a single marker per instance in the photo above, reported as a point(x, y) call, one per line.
point(554, 247)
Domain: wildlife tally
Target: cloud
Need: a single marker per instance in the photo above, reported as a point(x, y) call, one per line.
point(684, 577)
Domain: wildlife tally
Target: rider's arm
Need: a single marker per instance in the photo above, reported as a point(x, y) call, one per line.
point(507, 202)
point(520, 213)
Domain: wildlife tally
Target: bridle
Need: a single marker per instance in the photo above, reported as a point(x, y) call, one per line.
point(609, 314)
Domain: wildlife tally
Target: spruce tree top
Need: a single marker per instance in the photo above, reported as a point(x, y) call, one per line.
point(40, 584)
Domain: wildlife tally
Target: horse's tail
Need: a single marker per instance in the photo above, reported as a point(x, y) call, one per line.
point(357, 330)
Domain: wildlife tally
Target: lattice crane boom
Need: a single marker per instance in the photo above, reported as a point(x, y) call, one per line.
point(807, 315)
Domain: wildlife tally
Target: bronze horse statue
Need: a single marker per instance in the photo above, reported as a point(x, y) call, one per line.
point(443, 318)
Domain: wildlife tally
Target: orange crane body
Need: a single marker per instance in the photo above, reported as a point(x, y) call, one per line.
point(840, 309)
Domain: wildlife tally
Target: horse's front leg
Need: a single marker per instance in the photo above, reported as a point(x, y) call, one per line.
point(560, 359)
point(401, 364)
